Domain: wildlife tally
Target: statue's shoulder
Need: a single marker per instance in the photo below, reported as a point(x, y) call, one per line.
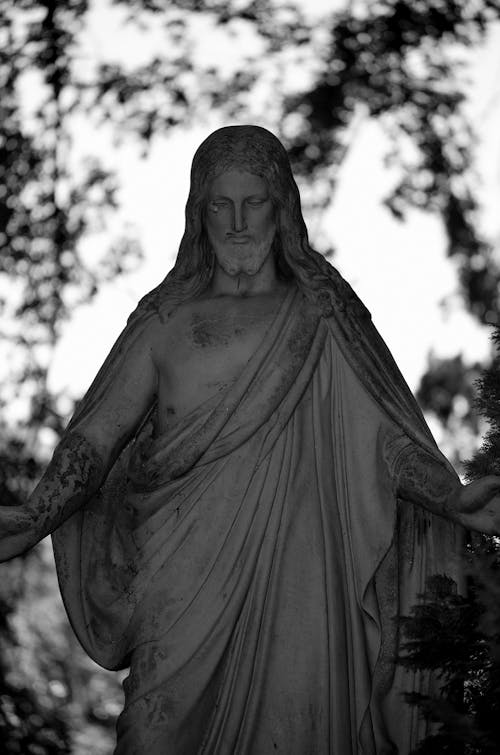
point(334, 298)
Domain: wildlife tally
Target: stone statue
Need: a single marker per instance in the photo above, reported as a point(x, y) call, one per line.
point(248, 494)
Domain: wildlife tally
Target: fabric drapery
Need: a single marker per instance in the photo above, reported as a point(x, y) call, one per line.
point(249, 563)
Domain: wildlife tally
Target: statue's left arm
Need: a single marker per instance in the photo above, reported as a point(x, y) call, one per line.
point(421, 478)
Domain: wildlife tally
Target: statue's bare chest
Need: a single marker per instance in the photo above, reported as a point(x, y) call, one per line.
point(205, 347)
point(216, 346)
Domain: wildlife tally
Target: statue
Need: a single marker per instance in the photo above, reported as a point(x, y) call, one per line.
point(248, 494)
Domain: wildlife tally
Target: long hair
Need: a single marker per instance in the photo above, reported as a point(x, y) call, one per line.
point(256, 150)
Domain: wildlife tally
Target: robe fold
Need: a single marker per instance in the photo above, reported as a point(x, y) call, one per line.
point(249, 563)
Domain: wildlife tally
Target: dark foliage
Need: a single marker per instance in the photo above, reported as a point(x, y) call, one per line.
point(444, 380)
point(487, 459)
point(459, 636)
point(45, 211)
point(459, 639)
point(394, 61)
point(27, 726)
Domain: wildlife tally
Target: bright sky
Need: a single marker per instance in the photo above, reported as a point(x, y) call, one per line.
point(398, 269)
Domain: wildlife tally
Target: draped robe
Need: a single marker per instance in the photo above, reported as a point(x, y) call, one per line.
point(249, 563)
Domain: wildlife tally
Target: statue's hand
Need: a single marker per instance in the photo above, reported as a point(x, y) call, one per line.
point(477, 505)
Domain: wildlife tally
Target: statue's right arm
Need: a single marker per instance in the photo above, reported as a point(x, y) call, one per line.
point(82, 459)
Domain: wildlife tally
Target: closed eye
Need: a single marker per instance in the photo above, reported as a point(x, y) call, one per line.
point(256, 202)
point(219, 204)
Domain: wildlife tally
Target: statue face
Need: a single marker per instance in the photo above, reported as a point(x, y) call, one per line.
point(240, 222)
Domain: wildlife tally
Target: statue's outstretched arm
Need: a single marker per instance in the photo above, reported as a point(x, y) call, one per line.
point(420, 478)
point(74, 474)
point(84, 455)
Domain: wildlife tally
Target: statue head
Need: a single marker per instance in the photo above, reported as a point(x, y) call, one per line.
point(255, 150)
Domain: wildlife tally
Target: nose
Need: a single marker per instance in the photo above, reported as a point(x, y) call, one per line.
point(239, 220)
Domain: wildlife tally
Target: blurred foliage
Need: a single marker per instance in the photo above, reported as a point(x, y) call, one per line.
point(46, 209)
point(465, 398)
point(312, 80)
point(399, 62)
point(448, 392)
point(28, 724)
point(458, 636)
point(443, 383)
point(53, 698)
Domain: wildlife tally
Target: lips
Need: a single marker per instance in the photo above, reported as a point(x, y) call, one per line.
point(239, 239)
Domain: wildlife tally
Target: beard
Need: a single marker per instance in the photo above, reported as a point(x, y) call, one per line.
point(248, 258)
